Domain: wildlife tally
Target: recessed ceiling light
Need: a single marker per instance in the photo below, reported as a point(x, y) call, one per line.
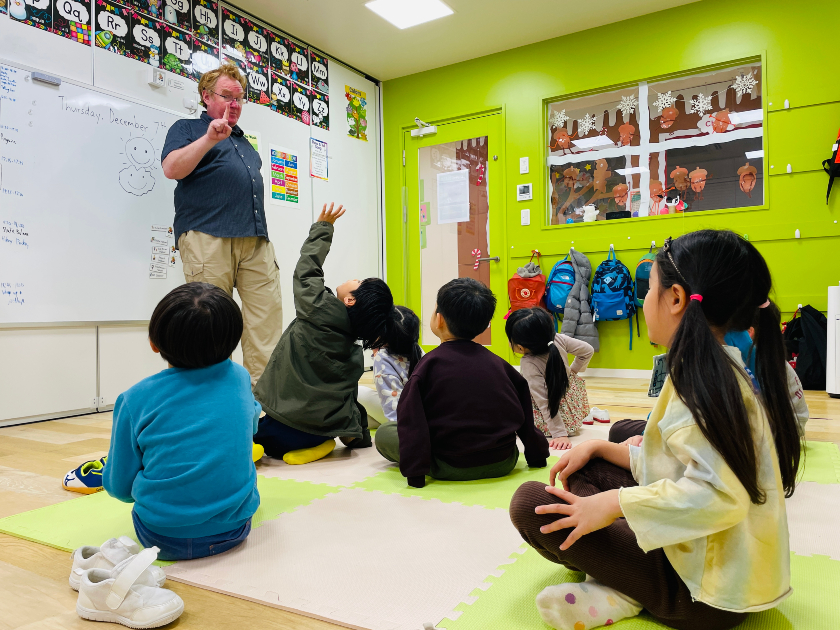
point(406, 13)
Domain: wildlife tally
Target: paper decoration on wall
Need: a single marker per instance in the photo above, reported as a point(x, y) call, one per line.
point(620, 192)
point(681, 180)
point(253, 138)
point(698, 179)
point(258, 88)
point(177, 13)
point(176, 50)
point(149, 8)
point(425, 214)
point(600, 176)
point(669, 115)
point(701, 104)
point(279, 53)
point(356, 112)
point(256, 44)
point(281, 94)
point(146, 35)
point(744, 84)
point(318, 159)
point(664, 100)
point(625, 134)
point(299, 63)
point(746, 178)
point(37, 13)
point(205, 17)
point(113, 27)
point(561, 140)
point(71, 19)
point(233, 38)
point(585, 125)
point(205, 57)
point(559, 119)
point(320, 110)
point(721, 122)
point(300, 103)
point(284, 176)
point(319, 72)
point(627, 105)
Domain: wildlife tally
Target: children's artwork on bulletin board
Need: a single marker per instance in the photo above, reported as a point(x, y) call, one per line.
point(71, 19)
point(233, 37)
point(356, 112)
point(284, 176)
point(258, 85)
point(146, 35)
point(319, 72)
point(278, 47)
point(425, 214)
point(206, 21)
point(113, 27)
point(320, 110)
point(177, 13)
point(256, 44)
point(37, 13)
point(177, 50)
point(205, 57)
point(281, 94)
point(300, 103)
point(422, 237)
point(299, 63)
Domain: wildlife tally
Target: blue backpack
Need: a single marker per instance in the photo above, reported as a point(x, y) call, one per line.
point(559, 284)
point(643, 268)
point(613, 295)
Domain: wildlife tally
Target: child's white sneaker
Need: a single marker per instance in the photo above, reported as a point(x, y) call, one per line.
point(600, 415)
point(107, 556)
point(119, 596)
point(588, 419)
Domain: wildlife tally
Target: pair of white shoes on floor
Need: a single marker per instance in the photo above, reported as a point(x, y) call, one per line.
point(118, 583)
point(597, 415)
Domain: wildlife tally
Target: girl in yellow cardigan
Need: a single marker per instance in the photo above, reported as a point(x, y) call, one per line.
point(703, 539)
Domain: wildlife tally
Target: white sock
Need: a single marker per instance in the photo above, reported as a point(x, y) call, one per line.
point(584, 605)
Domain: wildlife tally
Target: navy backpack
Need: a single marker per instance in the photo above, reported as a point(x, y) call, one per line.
point(613, 295)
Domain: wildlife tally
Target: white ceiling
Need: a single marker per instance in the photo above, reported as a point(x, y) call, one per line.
point(347, 30)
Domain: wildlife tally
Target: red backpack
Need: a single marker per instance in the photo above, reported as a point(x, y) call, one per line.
point(526, 292)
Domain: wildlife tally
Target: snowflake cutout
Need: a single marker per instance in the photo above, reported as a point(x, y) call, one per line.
point(743, 84)
point(586, 124)
point(558, 119)
point(701, 104)
point(664, 100)
point(628, 105)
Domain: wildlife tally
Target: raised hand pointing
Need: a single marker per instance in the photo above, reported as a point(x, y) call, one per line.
point(219, 129)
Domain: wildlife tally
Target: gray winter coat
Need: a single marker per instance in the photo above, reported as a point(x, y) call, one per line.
point(577, 314)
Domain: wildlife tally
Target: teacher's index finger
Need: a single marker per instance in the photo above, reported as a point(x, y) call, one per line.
point(227, 112)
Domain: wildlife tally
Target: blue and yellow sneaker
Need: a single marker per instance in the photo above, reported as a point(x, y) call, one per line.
point(87, 478)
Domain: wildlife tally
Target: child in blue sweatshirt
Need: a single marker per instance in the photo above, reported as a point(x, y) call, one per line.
point(181, 443)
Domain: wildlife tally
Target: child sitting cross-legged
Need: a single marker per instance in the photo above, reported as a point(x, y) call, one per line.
point(463, 406)
point(181, 443)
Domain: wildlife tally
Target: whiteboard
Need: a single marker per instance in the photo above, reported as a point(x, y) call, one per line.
point(81, 186)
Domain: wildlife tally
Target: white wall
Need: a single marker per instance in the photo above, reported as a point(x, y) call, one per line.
point(55, 372)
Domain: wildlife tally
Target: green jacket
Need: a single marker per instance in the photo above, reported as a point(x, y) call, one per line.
point(312, 378)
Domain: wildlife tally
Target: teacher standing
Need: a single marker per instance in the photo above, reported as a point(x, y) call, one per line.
point(220, 224)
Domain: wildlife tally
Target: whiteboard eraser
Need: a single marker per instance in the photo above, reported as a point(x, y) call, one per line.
point(46, 78)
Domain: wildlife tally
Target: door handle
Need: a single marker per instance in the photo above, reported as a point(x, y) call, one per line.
point(493, 258)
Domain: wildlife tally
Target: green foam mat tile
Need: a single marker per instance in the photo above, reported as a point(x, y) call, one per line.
point(822, 462)
point(94, 518)
point(489, 493)
point(509, 601)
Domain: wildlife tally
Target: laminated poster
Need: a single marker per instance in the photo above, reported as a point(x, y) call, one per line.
point(356, 112)
point(281, 94)
point(239, 63)
point(318, 159)
point(37, 13)
point(300, 103)
point(453, 196)
point(146, 35)
point(177, 50)
point(320, 116)
point(71, 19)
point(279, 54)
point(233, 38)
point(205, 21)
point(4, 7)
point(284, 176)
point(113, 27)
point(258, 85)
point(299, 63)
point(205, 57)
point(177, 13)
point(253, 138)
point(256, 44)
point(319, 72)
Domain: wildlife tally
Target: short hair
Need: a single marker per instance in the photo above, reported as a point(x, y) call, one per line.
point(373, 312)
point(196, 325)
point(211, 77)
point(467, 306)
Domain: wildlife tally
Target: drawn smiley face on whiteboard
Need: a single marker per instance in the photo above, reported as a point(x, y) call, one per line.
point(136, 181)
point(140, 152)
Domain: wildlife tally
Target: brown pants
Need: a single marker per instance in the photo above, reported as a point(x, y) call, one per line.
point(612, 556)
point(248, 264)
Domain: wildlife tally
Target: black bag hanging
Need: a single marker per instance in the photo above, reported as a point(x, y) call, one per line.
point(832, 167)
point(805, 342)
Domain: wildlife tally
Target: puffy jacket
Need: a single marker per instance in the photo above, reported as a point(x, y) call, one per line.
point(577, 315)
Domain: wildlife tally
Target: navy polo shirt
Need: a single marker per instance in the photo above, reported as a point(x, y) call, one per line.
point(223, 196)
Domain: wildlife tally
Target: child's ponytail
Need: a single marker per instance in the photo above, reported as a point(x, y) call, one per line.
point(533, 329)
point(403, 335)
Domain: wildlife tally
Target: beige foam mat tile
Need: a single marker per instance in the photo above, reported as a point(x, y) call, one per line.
point(364, 559)
point(343, 467)
point(812, 519)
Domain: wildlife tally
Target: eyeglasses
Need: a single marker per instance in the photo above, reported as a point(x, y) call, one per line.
point(227, 98)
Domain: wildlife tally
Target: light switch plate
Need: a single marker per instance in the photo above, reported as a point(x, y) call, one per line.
point(523, 166)
point(525, 217)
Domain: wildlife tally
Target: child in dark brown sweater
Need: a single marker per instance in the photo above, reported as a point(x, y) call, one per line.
point(463, 407)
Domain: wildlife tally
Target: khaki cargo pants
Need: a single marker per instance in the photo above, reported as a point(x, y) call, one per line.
point(247, 263)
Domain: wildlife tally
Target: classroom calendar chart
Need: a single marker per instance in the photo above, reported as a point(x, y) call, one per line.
point(284, 176)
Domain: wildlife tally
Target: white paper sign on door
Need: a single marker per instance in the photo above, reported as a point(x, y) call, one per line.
point(453, 197)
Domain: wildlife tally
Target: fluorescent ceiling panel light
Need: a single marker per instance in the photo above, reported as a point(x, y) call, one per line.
point(407, 13)
point(636, 170)
point(588, 143)
point(754, 155)
point(742, 118)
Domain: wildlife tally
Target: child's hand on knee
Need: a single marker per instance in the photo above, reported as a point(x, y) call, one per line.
point(571, 461)
point(634, 440)
point(585, 514)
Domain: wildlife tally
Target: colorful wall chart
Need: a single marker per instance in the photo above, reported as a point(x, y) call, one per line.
point(356, 113)
point(284, 176)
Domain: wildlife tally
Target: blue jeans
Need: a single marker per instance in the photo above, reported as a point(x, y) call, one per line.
point(189, 548)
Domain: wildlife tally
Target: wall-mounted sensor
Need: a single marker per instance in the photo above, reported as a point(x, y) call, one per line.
point(524, 192)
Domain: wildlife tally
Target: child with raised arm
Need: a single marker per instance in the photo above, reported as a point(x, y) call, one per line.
point(704, 538)
point(309, 388)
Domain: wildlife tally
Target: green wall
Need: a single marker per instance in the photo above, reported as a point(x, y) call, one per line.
point(798, 43)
